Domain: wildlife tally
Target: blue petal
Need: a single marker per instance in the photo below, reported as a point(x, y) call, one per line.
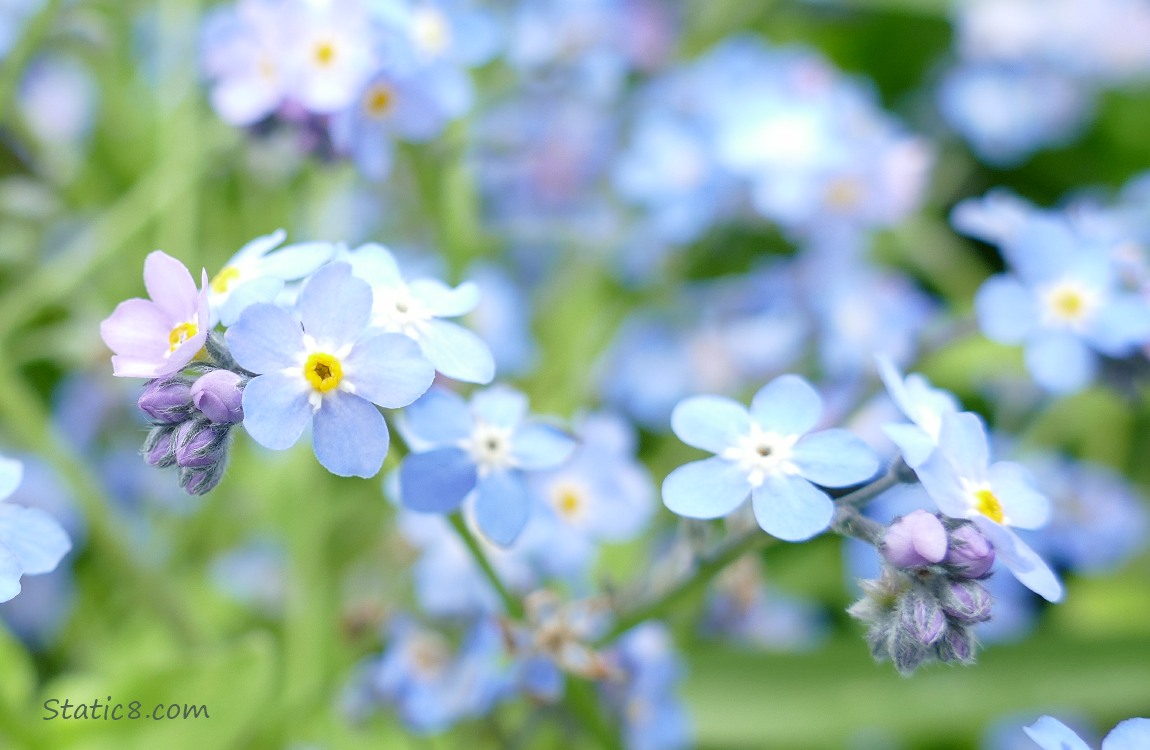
point(501, 507)
point(1121, 326)
point(297, 261)
point(334, 306)
point(710, 488)
point(499, 406)
point(1060, 362)
point(34, 537)
point(258, 247)
point(962, 439)
point(440, 417)
point(1052, 734)
point(787, 405)
point(537, 446)
point(791, 508)
point(1030, 570)
point(1132, 734)
point(10, 572)
point(436, 481)
point(457, 352)
point(713, 423)
point(266, 338)
point(835, 458)
point(376, 265)
point(276, 409)
point(912, 441)
point(1024, 506)
point(388, 369)
point(11, 472)
point(264, 289)
point(1005, 309)
point(943, 484)
point(442, 300)
point(350, 436)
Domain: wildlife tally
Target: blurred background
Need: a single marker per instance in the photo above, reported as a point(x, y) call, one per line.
point(657, 199)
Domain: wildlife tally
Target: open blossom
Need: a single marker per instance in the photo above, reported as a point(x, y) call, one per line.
point(923, 404)
point(962, 481)
point(326, 368)
point(31, 541)
point(157, 337)
point(1052, 734)
point(765, 453)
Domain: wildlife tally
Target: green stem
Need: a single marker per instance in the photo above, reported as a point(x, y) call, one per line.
point(21, 408)
point(897, 473)
point(707, 568)
point(581, 700)
point(513, 606)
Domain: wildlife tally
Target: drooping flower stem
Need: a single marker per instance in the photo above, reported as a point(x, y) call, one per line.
point(512, 605)
point(848, 519)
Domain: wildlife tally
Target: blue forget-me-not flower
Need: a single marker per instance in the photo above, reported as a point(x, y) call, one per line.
point(31, 541)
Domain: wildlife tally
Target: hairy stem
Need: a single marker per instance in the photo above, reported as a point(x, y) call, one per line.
point(512, 605)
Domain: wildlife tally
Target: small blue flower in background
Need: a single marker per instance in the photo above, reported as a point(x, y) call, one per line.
point(416, 308)
point(484, 448)
point(1064, 302)
point(31, 541)
point(1052, 734)
point(653, 716)
point(258, 271)
point(765, 453)
point(326, 367)
point(959, 477)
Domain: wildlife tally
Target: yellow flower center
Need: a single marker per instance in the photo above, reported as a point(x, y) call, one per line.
point(844, 194)
point(987, 504)
point(568, 502)
point(325, 53)
point(224, 279)
point(323, 371)
point(378, 100)
point(1069, 304)
point(180, 334)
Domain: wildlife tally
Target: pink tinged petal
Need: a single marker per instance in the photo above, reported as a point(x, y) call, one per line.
point(179, 358)
point(1006, 309)
point(444, 301)
point(334, 306)
point(350, 436)
point(276, 409)
point(713, 423)
point(1030, 570)
point(1024, 506)
point(34, 537)
point(457, 352)
point(834, 458)
point(1052, 734)
point(787, 405)
point(710, 488)
point(171, 287)
point(266, 338)
point(389, 370)
point(962, 439)
point(436, 481)
point(137, 329)
point(501, 507)
point(1132, 734)
point(791, 508)
point(134, 367)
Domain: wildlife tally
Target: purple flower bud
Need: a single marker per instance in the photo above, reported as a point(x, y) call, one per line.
point(921, 617)
point(218, 395)
point(167, 400)
point(914, 540)
point(159, 450)
point(971, 554)
point(908, 654)
point(200, 480)
point(967, 602)
point(957, 645)
point(199, 444)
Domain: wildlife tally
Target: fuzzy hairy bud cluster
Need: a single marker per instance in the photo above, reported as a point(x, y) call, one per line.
point(925, 604)
point(192, 420)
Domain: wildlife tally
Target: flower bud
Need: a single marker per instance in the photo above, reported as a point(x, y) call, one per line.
point(200, 480)
point(218, 395)
point(970, 554)
point(914, 540)
point(957, 645)
point(159, 448)
point(921, 617)
point(167, 400)
point(199, 443)
point(967, 602)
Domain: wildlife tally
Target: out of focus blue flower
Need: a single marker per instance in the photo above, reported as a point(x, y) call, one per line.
point(31, 541)
point(503, 319)
point(327, 368)
point(644, 693)
point(1052, 734)
point(747, 610)
point(962, 481)
point(254, 573)
point(483, 447)
point(58, 100)
point(765, 453)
